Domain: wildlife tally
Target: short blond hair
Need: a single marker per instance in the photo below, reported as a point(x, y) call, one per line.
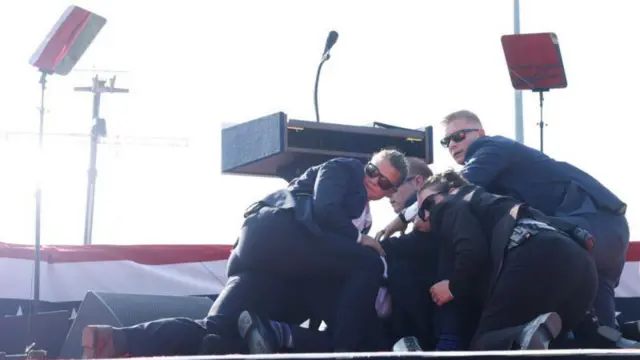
point(462, 114)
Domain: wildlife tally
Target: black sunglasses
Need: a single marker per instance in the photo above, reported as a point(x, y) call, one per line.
point(427, 205)
point(373, 172)
point(456, 137)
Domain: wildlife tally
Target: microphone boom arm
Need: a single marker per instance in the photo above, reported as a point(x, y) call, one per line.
point(325, 57)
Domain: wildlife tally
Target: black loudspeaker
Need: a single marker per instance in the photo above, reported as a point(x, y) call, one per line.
point(277, 146)
point(121, 310)
point(47, 330)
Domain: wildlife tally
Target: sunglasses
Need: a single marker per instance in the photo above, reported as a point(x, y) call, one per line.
point(373, 172)
point(427, 205)
point(456, 137)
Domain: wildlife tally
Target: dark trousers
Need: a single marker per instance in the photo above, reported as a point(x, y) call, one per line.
point(273, 243)
point(182, 336)
point(612, 240)
point(276, 282)
point(547, 273)
point(412, 309)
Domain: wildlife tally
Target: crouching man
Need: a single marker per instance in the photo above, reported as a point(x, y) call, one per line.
point(535, 280)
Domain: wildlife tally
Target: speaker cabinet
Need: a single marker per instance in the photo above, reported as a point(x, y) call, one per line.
point(121, 310)
point(46, 329)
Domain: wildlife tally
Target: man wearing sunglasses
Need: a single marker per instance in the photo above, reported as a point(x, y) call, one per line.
point(507, 167)
point(315, 230)
point(533, 279)
point(302, 252)
point(411, 268)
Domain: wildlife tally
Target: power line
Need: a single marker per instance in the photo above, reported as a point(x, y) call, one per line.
point(157, 141)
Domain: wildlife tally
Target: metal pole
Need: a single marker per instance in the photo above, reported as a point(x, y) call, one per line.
point(519, 117)
point(98, 131)
point(39, 175)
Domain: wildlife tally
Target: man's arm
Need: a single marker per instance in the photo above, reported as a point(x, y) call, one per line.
point(412, 245)
point(332, 182)
point(470, 246)
point(487, 160)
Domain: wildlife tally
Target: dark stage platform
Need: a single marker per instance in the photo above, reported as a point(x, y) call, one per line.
point(530, 354)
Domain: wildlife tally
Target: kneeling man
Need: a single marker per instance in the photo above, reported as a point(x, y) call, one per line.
point(533, 278)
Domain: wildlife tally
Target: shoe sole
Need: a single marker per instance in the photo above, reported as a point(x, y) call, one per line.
point(249, 331)
point(550, 322)
point(609, 333)
point(405, 345)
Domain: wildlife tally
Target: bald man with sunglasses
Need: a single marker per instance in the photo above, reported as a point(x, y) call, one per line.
point(506, 167)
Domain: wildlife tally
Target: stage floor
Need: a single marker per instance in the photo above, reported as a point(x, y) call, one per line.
point(530, 354)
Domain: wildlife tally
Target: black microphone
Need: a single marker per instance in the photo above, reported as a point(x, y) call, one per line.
point(331, 40)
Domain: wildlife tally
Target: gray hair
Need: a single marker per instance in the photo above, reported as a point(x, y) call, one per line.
point(397, 160)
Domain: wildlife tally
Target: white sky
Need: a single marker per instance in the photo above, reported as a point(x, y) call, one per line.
point(193, 65)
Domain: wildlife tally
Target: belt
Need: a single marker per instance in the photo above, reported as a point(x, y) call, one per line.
point(525, 229)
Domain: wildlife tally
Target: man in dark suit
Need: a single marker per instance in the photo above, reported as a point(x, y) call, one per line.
point(295, 247)
point(411, 262)
point(533, 279)
point(507, 167)
point(313, 231)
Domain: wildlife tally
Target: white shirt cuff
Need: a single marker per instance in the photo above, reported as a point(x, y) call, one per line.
point(384, 261)
point(411, 212)
point(359, 237)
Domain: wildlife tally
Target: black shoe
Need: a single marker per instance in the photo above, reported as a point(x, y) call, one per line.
point(258, 334)
point(408, 343)
point(540, 332)
point(631, 330)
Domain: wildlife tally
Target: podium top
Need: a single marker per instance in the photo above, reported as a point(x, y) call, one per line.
point(277, 146)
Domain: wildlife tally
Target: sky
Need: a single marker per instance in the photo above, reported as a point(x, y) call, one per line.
point(192, 66)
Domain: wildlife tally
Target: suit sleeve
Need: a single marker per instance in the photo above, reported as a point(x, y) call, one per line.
point(413, 244)
point(486, 163)
point(471, 249)
point(330, 188)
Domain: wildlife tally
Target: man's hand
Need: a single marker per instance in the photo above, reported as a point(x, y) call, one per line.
point(367, 240)
point(395, 226)
point(440, 293)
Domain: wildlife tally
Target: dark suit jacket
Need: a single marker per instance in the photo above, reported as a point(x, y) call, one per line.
point(326, 198)
point(465, 251)
point(412, 269)
point(507, 167)
point(419, 250)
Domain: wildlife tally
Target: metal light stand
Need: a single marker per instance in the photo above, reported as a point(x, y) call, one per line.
point(98, 131)
point(38, 194)
point(541, 124)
